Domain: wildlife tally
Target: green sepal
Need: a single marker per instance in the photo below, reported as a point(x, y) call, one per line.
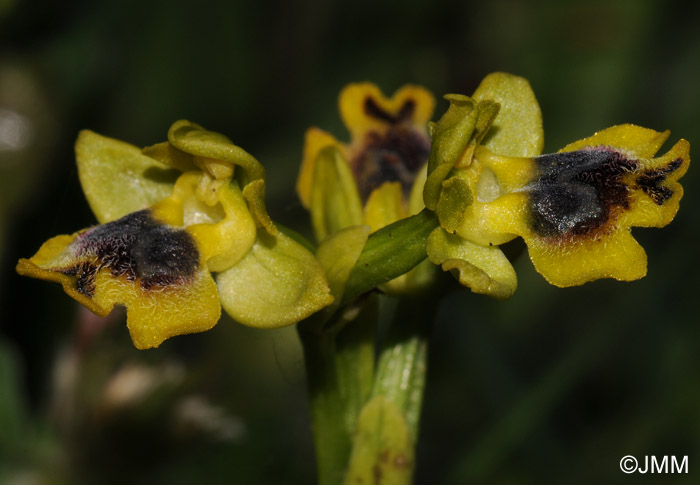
point(195, 140)
point(382, 445)
point(484, 269)
point(117, 178)
point(450, 138)
point(277, 283)
point(335, 200)
point(454, 199)
point(390, 252)
point(517, 130)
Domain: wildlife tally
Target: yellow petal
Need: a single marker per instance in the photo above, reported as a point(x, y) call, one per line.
point(485, 270)
point(511, 173)
point(153, 316)
point(616, 255)
point(364, 108)
point(314, 142)
point(53, 253)
point(224, 231)
point(277, 283)
point(638, 142)
point(656, 195)
point(117, 179)
point(385, 206)
point(496, 222)
point(152, 269)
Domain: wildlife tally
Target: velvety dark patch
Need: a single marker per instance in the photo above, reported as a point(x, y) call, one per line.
point(397, 155)
point(577, 191)
point(650, 182)
point(135, 247)
point(373, 110)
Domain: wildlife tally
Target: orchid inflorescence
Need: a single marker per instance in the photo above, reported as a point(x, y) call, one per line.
point(184, 229)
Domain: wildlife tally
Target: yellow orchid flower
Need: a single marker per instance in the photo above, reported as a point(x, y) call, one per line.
point(377, 178)
point(160, 241)
point(575, 208)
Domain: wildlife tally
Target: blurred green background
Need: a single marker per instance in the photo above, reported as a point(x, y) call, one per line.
point(552, 386)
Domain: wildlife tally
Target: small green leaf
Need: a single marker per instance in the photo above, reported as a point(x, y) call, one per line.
point(277, 283)
point(117, 178)
point(517, 130)
point(390, 252)
point(382, 451)
point(450, 138)
point(335, 201)
point(485, 270)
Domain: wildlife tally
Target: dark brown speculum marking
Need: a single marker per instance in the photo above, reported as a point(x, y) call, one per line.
point(136, 248)
point(650, 182)
point(373, 110)
point(395, 155)
point(580, 191)
point(576, 192)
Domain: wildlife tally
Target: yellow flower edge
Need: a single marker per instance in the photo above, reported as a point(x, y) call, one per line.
point(158, 307)
point(363, 107)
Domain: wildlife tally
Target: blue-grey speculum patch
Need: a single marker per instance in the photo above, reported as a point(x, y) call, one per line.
point(577, 192)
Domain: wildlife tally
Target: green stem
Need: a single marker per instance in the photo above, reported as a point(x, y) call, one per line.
point(387, 428)
point(402, 362)
point(340, 372)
